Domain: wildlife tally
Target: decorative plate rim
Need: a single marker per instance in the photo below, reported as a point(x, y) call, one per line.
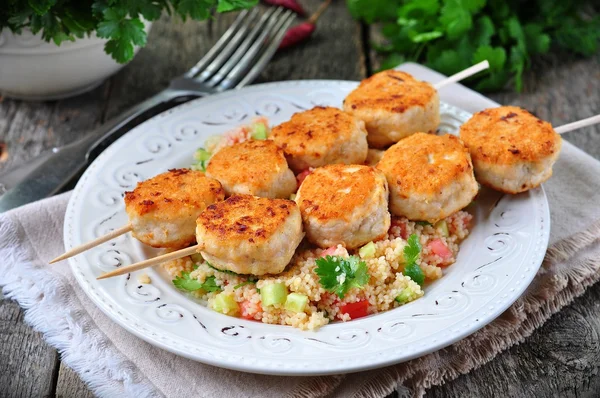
point(279, 363)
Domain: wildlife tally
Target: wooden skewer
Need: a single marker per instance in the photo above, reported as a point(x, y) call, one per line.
point(86, 246)
point(483, 65)
point(150, 262)
point(577, 125)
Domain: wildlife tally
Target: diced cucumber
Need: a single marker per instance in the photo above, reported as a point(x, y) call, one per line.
point(259, 131)
point(296, 302)
point(273, 293)
point(197, 258)
point(442, 225)
point(202, 154)
point(225, 304)
point(367, 251)
point(404, 295)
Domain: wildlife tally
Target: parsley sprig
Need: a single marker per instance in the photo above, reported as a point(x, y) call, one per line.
point(412, 251)
point(118, 21)
point(185, 282)
point(340, 274)
point(450, 35)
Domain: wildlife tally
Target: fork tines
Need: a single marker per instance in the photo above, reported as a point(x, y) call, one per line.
point(242, 52)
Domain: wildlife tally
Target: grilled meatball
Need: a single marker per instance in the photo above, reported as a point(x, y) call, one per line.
point(253, 167)
point(430, 176)
point(344, 204)
point(163, 209)
point(512, 150)
point(394, 105)
point(321, 136)
point(250, 235)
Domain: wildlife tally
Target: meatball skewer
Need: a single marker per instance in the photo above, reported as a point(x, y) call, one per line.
point(344, 204)
point(430, 177)
point(244, 234)
point(163, 210)
point(394, 105)
point(512, 150)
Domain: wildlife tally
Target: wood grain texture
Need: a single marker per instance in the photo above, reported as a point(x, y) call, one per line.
point(27, 364)
point(69, 384)
point(29, 128)
point(561, 359)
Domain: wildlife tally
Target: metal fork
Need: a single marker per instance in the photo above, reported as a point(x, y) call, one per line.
point(233, 62)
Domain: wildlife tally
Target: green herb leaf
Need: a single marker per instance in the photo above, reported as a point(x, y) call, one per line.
point(230, 5)
point(496, 56)
point(185, 282)
point(412, 251)
point(507, 33)
point(248, 282)
point(371, 10)
point(339, 274)
point(455, 18)
point(118, 21)
point(41, 7)
point(196, 9)
point(226, 271)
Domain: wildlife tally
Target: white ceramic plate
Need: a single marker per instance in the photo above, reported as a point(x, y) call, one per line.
point(495, 264)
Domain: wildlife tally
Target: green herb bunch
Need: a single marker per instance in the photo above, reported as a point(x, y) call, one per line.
point(451, 35)
point(119, 21)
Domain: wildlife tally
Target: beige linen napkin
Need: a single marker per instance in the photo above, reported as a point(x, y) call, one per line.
point(115, 363)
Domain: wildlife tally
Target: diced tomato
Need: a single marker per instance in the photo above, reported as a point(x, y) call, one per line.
point(356, 310)
point(403, 227)
point(330, 251)
point(249, 309)
point(438, 247)
point(300, 177)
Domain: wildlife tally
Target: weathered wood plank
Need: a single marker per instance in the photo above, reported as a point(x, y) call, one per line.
point(69, 384)
point(29, 128)
point(560, 359)
point(27, 363)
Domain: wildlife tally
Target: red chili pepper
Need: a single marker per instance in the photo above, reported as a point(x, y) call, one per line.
point(302, 32)
point(297, 34)
point(289, 4)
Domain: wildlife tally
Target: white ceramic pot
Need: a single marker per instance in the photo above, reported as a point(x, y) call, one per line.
point(31, 68)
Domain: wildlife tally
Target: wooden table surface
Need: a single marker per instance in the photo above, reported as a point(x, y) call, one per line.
point(560, 359)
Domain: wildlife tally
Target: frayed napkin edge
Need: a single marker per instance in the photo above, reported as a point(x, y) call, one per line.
point(79, 342)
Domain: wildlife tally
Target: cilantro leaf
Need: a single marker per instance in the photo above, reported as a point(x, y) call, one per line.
point(196, 9)
point(496, 56)
point(339, 274)
point(120, 22)
point(226, 271)
point(124, 33)
point(455, 19)
point(412, 251)
point(230, 5)
point(185, 282)
point(248, 282)
point(41, 7)
point(371, 10)
point(447, 35)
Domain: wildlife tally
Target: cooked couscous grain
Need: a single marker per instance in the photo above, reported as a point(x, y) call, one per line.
point(388, 287)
